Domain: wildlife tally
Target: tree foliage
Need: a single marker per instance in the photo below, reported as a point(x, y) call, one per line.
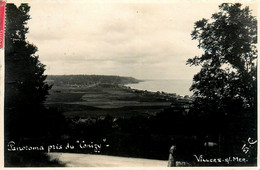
point(24, 72)
point(227, 79)
point(25, 87)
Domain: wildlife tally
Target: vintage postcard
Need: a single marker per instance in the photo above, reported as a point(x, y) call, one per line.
point(135, 84)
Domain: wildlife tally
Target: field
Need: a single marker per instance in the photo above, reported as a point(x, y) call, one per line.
point(105, 99)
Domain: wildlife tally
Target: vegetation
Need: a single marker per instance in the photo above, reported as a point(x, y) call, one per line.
point(83, 80)
point(25, 87)
point(227, 79)
point(225, 89)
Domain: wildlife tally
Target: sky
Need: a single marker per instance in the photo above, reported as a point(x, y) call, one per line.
point(142, 39)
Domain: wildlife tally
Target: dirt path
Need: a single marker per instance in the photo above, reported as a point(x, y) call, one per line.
point(88, 160)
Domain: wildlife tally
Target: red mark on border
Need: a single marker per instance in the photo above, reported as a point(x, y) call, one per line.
point(2, 23)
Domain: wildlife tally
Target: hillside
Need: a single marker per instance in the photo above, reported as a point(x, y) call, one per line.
point(83, 80)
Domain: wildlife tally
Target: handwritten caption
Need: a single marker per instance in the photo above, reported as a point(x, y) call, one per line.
point(227, 160)
point(246, 148)
point(91, 146)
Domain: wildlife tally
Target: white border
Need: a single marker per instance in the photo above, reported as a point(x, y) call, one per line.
point(117, 168)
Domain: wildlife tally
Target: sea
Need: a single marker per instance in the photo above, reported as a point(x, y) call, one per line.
point(178, 86)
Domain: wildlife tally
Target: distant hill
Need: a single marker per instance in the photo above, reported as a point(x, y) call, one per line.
point(89, 79)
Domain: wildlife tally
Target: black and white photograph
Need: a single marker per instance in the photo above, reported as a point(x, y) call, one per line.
point(129, 83)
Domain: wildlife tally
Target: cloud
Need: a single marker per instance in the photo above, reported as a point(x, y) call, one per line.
point(143, 40)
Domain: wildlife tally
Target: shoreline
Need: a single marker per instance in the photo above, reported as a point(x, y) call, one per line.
point(173, 86)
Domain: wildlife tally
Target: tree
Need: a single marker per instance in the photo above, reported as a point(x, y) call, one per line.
point(23, 71)
point(27, 121)
point(225, 88)
point(227, 79)
point(25, 86)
